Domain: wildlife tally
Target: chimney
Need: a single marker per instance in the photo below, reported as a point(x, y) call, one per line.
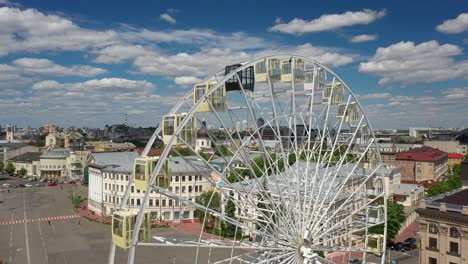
point(443, 207)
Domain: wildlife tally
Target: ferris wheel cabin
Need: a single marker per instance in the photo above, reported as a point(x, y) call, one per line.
point(333, 93)
point(292, 69)
point(349, 114)
point(315, 80)
point(246, 77)
point(268, 67)
point(143, 170)
point(217, 99)
point(375, 244)
point(123, 224)
point(172, 122)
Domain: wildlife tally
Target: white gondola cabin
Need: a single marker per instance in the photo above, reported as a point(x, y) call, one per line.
point(292, 67)
point(123, 224)
point(172, 122)
point(315, 80)
point(375, 244)
point(376, 214)
point(267, 67)
point(351, 114)
point(333, 93)
point(143, 169)
point(217, 99)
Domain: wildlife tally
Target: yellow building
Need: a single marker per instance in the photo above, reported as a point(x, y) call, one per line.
point(109, 146)
point(454, 159)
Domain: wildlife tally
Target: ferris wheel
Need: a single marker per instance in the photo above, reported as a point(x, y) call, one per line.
point(290, 159)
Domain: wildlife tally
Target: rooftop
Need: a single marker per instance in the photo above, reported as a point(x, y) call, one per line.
point(121, 161)
point(406, 188)
point(27, 157)
point(58, 153)
point(458, 198)
point(454, 155)
point(424, 153)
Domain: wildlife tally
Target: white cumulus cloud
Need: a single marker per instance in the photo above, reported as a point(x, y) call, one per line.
point(168, 18)
point(408, 62)
point(453, 26)
point(33, 66)
point(329, 22)
point(186, 80)
point(363, 38)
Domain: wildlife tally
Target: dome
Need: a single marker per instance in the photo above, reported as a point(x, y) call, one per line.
point(202, 133)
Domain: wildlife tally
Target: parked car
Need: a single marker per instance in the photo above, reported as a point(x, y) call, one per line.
point(391, 245)
point(354, 261)
point(52, 184)
point(72, 182)
point(6, 185)
point(13, 186)
point(28, 185)
point(39, 185)
point(410, 244)
point(399, 247)
point(21, 186)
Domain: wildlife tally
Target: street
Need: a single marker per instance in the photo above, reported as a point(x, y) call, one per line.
point(26, 237)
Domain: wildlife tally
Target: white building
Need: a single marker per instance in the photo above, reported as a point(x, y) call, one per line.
point(408, 194)
point(108, 178)
point(62, 164)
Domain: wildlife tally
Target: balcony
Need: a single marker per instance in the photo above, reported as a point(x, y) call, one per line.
point(455, 254)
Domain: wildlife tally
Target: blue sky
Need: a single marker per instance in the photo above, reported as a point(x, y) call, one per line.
point(87, 63)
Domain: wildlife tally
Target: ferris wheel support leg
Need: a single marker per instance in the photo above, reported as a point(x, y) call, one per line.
point(112, 254)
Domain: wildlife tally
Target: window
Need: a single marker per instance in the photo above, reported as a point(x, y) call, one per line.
point(454, 232)
point(150, 202)
point(167, 215)
point(454, 248)
point(196, 188)
point(183, 178)
point(186, 214)
point(163, 202)
point(432, 261)
point(132, 202)
point(432, 243)
point(176, 215)
point(183, 189)
point(433, 229)
point(133, 189)
point(177, 178)
point(177, 189)
point(190, 178)
point(190, 189)
point(170, 202)
point(157, 202)
point(105, 186)
point(200, 188)
point(138, 201)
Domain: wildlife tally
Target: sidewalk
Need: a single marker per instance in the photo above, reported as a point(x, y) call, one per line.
point(85, 212)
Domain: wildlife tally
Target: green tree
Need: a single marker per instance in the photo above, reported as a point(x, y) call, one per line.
point(395, 217)
point(211, 200)
point(23, 172)
point(10, 168)
point(2, 165)
point(204, 155)
point(230, 229)
point(183, 152)
point(223, 151)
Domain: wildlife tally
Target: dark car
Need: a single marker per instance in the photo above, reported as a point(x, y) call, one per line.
point(399, 247)
point(410, 244)
point(354, 261)
point(391, 245)
point(21, 186)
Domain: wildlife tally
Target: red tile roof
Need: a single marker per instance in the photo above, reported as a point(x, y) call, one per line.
point(152, 153)
point(454, 155)
point(424, 153)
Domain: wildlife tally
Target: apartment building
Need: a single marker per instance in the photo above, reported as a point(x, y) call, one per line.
point(443, 225)
point(424, 164)
point(69, 140)
point(109, 146)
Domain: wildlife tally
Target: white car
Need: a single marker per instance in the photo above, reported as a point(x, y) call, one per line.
point(6, 185)
point(28, 185)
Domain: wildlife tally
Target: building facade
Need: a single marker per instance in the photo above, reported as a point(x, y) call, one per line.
point(422, 164)
point(28, 161)
point(62, 164)
point(109, 146)
point(408, 194)
point(109, 174)
point(11, 149)
point(69, 140)
point(448, 146)
point(454, 159)
point(443, 224)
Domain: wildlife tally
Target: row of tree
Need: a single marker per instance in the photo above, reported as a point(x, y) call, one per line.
point(452, 182)
point(9, 168)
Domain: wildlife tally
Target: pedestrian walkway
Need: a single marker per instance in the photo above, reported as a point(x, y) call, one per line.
point(40, 219)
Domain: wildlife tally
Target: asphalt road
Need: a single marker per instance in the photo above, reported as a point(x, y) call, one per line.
point(27, 237)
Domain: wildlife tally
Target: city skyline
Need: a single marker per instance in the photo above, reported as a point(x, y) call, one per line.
point(82, 65)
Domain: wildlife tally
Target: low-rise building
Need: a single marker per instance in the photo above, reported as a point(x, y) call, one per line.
point(443, 225)
point(63, 164)
point(408, 194)
point(69, 140)
point(28, 161)
point(109, 146)
point(422, 164)
point(11, 149)
point(448, 146)
point(109, 174)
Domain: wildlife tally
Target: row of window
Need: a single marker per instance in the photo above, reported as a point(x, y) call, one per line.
point(174, 178)
point(454, 232)
point(453, 246)
point(151, 202)
point(53, 166)
point(167, 215)
point(177, 189)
